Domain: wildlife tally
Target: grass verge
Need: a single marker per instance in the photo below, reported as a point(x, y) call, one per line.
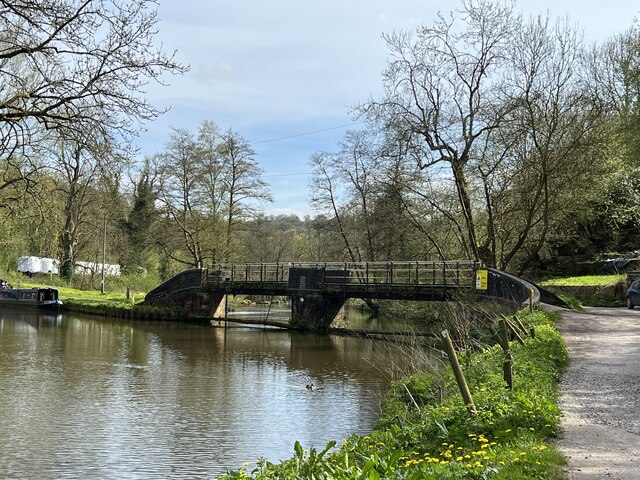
point(585, 280)
point(425, 431)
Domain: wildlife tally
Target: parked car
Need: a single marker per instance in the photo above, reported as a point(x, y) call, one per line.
point(633, 294)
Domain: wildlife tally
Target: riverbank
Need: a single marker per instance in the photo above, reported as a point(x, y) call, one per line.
point(425, 430)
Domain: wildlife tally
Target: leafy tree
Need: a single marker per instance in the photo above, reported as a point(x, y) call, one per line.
point(138, 226)
point(74, 74)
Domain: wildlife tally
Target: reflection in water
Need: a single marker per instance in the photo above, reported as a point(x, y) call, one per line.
point(83, 397)
point(354, 318)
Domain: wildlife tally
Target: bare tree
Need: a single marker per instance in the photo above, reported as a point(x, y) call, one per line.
point(215, 169)
point(243, 183)
point(326, 198)
point(77, 64)
point(498, 111)
point(180, 177)
point(208, 186)
point(443, 92)
point(80, 161)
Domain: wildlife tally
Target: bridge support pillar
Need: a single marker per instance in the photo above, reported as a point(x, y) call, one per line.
point(314, 310)
point(217, 305)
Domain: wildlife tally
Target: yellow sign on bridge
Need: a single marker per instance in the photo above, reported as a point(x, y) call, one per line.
point(482, 279)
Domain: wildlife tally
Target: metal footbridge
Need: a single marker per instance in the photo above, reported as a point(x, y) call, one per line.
point(318, 290)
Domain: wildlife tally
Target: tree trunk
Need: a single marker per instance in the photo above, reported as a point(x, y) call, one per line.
point(465, 203)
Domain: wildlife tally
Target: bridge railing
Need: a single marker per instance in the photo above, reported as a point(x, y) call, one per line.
point(440, 273)
point(249, 273)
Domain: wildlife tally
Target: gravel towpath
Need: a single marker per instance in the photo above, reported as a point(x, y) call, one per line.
point(600, 394)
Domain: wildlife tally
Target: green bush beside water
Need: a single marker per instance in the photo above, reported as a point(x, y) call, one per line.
point(425, 431)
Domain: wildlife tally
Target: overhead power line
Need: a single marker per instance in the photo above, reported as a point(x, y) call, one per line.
point(307, 133)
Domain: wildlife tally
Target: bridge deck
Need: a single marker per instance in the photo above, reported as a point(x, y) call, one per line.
point(399, 280)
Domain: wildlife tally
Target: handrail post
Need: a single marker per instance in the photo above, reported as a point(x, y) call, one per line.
point(444, 274)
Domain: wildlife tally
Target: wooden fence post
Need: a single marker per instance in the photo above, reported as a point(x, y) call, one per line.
point(457, 370)
point(522, 328)
point(507, 363)
point(514, 330)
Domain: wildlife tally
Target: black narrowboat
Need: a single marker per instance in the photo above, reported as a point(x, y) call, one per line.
point(39, 297)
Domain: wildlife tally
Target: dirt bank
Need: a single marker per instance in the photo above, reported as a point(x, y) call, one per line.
point(600, 393)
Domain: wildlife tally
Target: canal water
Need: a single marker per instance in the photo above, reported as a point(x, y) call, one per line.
point(82, 397)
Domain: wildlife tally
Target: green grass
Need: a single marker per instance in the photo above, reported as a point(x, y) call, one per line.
point(110, 298)
point(423, 436)
point(585, 280)
point(92, 297)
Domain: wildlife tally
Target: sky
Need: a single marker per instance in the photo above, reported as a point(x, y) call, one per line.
point(285, 74)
